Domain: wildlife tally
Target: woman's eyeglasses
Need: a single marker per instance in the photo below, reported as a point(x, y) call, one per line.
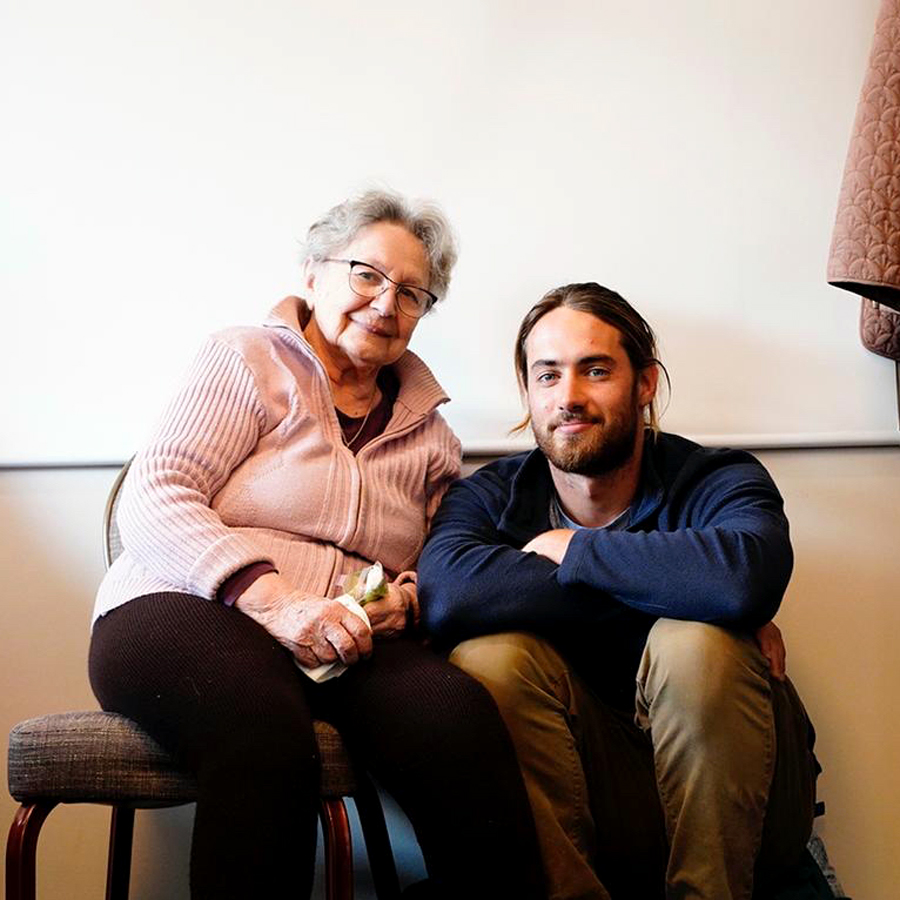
point(367, 281)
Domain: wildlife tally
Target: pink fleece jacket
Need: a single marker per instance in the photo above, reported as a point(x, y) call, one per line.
point(248, 464)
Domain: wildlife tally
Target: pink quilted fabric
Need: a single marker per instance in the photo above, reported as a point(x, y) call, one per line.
point(865, 248)
point(879, 328)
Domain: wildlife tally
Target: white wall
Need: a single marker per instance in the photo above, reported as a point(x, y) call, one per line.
point(841, 619)
point(160, 160)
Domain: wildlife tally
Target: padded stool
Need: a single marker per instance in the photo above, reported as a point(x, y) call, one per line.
point(101, 757)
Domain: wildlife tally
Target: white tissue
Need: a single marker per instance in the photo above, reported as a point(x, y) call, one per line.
point(331, 670)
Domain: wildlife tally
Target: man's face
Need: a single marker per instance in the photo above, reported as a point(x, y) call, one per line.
point(584, 397)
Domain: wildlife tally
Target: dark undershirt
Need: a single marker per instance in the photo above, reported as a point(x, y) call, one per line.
point(356, 434)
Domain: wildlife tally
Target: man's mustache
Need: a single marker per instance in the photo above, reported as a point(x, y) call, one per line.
point(577, 418)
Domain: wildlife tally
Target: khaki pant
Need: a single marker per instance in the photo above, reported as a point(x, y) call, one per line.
point(712, 775)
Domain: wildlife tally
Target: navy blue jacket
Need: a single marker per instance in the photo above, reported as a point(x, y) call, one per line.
point(706, 540)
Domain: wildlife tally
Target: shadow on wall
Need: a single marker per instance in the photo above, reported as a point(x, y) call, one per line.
point(163, 840)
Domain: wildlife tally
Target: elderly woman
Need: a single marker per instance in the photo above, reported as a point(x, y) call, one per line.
point(296, 453)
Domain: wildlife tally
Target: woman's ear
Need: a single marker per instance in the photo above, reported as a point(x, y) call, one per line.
point(310, 272)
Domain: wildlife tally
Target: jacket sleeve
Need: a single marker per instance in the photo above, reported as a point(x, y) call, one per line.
point(164, 517)
point(726, 559)
point(472, 581)
point(443, 468)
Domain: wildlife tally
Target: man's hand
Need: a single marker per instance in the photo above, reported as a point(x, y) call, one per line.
point(552, 544)
point(772, 645)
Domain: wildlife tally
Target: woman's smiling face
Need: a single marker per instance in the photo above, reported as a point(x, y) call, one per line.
point(364, 332)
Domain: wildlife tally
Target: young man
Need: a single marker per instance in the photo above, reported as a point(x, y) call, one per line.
point(612, 589)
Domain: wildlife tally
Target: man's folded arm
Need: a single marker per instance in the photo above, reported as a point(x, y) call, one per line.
point(729, 566)
point(471, 582)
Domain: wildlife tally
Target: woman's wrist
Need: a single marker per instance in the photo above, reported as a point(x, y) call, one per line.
point(263, 596)
point(238, 583)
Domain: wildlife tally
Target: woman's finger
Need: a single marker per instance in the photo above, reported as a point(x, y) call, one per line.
point(344, 645)
point(359, 631)
point(307, 657)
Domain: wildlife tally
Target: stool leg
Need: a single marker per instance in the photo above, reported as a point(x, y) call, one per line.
point(118, 866)
point(378, 843)
point(338, 849)
point(21, 850)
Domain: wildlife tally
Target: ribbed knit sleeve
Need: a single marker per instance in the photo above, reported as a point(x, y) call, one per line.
point(444, 467)
point(164, 517)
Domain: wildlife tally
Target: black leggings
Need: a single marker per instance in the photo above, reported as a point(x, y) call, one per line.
point(218, 691)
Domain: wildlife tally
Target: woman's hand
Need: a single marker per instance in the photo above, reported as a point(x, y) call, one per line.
point(315, 629)
point(388, 615)
point(772, 645)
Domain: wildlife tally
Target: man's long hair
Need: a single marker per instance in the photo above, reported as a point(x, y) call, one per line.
point(637, 336)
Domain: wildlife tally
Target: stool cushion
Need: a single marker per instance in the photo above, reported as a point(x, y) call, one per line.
point(102, 757)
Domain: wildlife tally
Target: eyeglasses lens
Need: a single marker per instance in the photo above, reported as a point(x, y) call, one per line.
point(371, 283)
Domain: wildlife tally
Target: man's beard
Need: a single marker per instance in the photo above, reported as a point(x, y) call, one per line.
point(603, 449)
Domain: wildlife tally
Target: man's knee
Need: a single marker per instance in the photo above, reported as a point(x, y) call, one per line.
point(514, 666)
point(697, 668)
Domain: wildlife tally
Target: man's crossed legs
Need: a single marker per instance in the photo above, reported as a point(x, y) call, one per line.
point(711, 778)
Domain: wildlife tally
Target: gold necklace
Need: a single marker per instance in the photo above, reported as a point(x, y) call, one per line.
point(349, 443)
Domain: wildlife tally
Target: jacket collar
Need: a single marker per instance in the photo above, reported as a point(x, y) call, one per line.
point(420, 391)
point(650, 492)
point(528, 511)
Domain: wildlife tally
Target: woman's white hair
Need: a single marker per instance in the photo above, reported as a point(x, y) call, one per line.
point(424, 220)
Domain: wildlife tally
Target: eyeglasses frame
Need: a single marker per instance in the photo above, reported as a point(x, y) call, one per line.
point(397, 284)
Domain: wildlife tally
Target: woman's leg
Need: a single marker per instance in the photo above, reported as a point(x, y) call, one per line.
point(434, 738)
point(215, 689)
